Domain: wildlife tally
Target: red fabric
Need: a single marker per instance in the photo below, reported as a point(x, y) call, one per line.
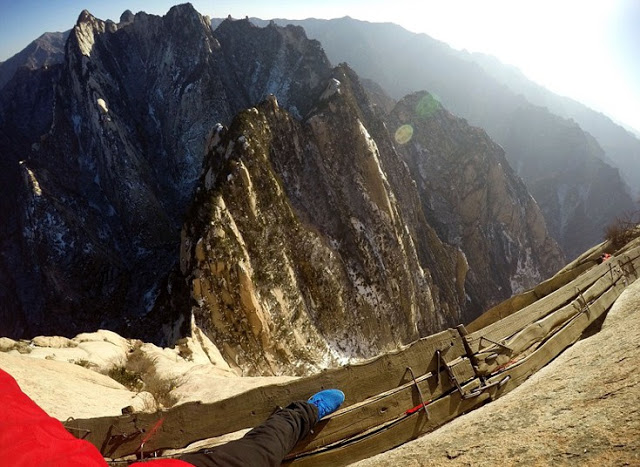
point(31, 438)
point(162, 463)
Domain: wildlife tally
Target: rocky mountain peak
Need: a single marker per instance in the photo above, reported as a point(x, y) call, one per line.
point(47, 50)
point(302, 229)
point(83, 34)
point(126, 17)
point(85, 17)
point(185, 15)
point(300, 235)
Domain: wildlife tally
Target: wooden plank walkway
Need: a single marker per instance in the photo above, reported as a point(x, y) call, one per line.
point(522, 336)
point(190, 422)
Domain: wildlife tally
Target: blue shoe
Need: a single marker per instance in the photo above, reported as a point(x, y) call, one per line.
point(327, 401)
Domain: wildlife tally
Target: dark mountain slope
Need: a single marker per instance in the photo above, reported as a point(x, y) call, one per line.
point(106, 173)
point(46, 50)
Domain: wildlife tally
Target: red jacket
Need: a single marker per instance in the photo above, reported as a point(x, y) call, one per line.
point(29, 437)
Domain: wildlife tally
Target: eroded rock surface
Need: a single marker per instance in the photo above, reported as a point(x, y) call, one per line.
point(475, 201)
point(100, 373)
point(315, 236)
point(310, 241)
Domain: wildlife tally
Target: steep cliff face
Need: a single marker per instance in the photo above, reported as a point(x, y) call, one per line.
point(404, 62)
point(474, 200)
point(296, 250)
point(310, 242)
point(100, 155)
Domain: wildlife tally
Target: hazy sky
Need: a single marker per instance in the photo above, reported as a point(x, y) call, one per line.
point(584, 49)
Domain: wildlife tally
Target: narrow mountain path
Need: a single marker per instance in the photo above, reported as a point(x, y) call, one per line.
point(582, 409)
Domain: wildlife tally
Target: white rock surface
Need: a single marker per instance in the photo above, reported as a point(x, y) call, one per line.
point(66, 390)
point(67, 377)
point(100, 350)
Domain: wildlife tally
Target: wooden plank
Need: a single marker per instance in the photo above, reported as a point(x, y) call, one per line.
point(629, 246)
point(517, 302)
point(559, 341)
point(502, 310)
point(561, 279)
point(383, 408)
point(591, 254)
point(519, 320)
point(186, 423)
point(405, 429)
point(541, 329)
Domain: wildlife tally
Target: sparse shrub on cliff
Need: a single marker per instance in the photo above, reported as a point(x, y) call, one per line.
point(623, 229)
point(129, 379)
point(161, 389)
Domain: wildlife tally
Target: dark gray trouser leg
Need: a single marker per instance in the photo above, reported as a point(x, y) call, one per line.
point(265, 445)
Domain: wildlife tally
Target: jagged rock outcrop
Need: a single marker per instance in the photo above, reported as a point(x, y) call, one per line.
point(309, 241)
point(296, 249)
point(473, 198)
point(100, 155)
point(403, 62)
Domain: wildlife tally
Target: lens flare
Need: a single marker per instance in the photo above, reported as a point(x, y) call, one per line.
point(404, 134)
point(427, 106)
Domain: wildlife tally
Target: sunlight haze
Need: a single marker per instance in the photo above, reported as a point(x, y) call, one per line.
point(586, 50)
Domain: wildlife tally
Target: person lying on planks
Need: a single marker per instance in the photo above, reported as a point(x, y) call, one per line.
point(29, 437)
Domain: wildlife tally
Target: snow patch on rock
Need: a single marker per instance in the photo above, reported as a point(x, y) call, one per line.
point(332, 89)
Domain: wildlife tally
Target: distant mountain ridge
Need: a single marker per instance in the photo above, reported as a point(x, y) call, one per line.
point(403, 62)
point(46, 50)
point(621, 145)
point(491, 102)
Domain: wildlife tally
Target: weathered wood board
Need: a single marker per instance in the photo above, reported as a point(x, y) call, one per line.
point(404, 429)
point(384, 408)
point(520, 319)
point(555, 344)
point(518, 302)
point(591, 254)
point(545, 327)
point(186, 423)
